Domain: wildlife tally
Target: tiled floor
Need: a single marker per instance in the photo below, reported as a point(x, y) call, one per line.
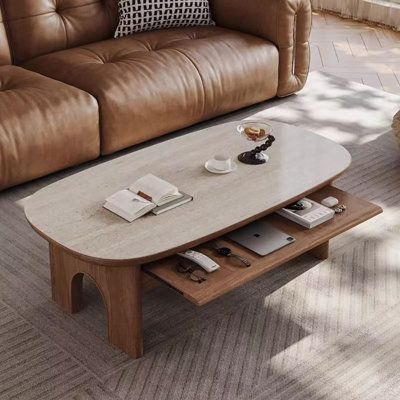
point(356, 51)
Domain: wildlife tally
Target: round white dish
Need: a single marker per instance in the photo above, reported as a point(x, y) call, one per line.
point(209, 168)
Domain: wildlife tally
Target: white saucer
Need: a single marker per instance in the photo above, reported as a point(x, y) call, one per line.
point(218, 171)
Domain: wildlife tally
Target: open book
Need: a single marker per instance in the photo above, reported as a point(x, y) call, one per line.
point(128, 205)
point(148, 193)
point(155, 189)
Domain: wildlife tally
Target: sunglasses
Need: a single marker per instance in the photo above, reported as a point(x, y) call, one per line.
point(195, 275)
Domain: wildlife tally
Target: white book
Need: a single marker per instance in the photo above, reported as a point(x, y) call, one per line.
point(311, 217)
point(155, 190)
point(128, 205)
point(146, 194)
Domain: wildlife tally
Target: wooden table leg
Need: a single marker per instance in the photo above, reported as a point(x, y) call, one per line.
point(321, 251)
point(120, 288)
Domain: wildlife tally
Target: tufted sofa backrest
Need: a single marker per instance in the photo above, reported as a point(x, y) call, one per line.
point(5, 57)
point(37, 27)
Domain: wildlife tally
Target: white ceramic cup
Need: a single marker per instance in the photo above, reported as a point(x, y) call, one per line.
point(221, 162)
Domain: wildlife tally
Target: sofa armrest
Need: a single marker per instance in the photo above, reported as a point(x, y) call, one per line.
point(286, 23)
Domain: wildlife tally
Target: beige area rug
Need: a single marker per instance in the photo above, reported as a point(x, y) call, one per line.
point(310, 330)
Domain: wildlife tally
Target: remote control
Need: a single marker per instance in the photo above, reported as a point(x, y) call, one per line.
point(200, 259)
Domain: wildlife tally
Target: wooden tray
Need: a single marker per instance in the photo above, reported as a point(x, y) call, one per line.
point(232, 275)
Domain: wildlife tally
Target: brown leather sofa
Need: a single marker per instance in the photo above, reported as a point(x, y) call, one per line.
point(73, 92)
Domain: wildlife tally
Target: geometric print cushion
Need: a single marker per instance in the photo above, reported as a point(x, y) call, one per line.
point(145, 15)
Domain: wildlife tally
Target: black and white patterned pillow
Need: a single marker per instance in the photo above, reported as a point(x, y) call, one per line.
point(145, 15)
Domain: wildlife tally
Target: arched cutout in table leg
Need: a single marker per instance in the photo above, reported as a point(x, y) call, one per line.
point(121, 290)
point(76, 293)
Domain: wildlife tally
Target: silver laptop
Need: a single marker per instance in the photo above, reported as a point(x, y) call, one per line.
point(261, 237)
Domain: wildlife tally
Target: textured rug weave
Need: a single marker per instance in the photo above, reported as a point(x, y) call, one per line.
point(309, 330)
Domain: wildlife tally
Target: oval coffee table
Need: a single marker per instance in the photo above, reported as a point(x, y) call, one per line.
point(86, 239)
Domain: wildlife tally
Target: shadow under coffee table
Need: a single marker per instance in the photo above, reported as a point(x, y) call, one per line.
point(86, 239)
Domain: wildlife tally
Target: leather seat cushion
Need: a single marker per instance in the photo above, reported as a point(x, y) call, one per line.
point(45, 126)
point(37, 27)
point(156, 82)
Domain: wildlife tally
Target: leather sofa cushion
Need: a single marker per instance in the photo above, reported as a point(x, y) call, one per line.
point(39, 27)
point(155, 82)
point(5, 56)
point(45, 126)
point(286, 23)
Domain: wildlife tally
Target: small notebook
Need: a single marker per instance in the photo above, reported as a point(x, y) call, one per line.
point(186, 198)
point(146, 194)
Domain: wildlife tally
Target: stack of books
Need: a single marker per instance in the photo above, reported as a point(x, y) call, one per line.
point(310, 217)
point(147, 194)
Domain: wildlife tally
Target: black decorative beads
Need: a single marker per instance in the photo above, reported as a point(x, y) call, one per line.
point(250, 157)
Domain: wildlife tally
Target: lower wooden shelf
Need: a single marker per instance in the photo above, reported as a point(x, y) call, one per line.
point(231, 275)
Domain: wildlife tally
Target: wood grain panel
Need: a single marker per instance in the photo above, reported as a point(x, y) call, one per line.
point(120, 288)
point(232, 275)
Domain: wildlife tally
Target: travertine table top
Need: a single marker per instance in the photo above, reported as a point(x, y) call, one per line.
point(70, 213)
